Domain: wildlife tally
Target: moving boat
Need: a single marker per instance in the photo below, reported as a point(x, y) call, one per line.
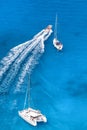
point(44, 33)
point(29, 114)
point(56, 42)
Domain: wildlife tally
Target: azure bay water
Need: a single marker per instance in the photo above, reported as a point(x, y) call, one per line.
point(59, 80)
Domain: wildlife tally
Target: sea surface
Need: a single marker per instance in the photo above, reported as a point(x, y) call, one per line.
point(59, 80)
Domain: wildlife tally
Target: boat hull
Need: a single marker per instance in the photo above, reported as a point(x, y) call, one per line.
point(32, 116)
point(57, 44)
point(27, 119)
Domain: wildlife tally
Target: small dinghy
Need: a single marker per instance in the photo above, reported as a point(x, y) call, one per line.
point(57, 44)
point(30, 115)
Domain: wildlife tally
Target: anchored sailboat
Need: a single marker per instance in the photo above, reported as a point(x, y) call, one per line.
point(56, 42)
point(30, 115)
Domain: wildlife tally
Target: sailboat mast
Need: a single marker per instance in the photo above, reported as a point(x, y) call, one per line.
point(27, 97)
point(29, 90)
point(55, 31)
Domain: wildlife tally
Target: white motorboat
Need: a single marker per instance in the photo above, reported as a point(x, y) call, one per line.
point(30, 115)
point(45, 33)
point(56, 42)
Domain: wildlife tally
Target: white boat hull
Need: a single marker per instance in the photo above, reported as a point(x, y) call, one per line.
point(57, 44)
point(32, 116)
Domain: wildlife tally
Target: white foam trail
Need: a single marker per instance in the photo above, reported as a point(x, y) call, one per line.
point(16, 66)
point(32, 61)
point(25, 43)
point(46, 37)
point(18, 56)
point(40, 33)
point(14, 53)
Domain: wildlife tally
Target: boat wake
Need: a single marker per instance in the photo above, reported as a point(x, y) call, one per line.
point(20, 60)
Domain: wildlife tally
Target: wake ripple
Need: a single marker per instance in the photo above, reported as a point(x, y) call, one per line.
point(20, 60)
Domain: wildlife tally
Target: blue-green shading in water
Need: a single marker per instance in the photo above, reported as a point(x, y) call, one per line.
point(59, 81)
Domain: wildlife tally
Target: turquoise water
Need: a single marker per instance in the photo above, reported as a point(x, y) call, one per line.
point(59, 81)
